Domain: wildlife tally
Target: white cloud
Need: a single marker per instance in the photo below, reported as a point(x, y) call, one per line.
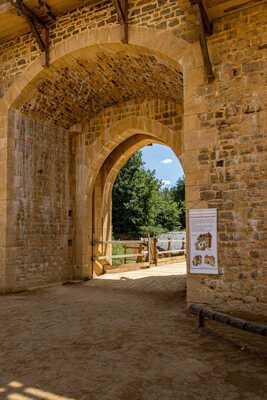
point(167, 161)
point(166, 182)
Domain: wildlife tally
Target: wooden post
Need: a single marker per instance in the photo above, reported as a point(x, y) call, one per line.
point(125, 252)
point(169, 247)
point(155, 251)
point(148, 250)
point(139, 250)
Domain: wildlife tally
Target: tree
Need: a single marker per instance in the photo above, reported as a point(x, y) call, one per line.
point(178, 191)
point(141, 205)
point(169, 215)
point(132, 197)
point(178, 195)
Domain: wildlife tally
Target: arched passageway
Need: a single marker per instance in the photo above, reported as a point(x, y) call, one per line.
point(56, 131)
point(66, 126)
point(59, 125)
point(125, 137)
point(103, 184)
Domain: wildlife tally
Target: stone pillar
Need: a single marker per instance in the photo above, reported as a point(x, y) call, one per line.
point(3, 197)
point(83, 215)
point(195, 140)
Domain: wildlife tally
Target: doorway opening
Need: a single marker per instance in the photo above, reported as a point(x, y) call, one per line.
point(143, 221)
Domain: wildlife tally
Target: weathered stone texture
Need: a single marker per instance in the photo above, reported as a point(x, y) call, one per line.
point(16, 55)
point(41, 210)
point(111, 75)
point(235, 114)
point(166, 112)
point(220, 131)
point(39, 192)
point(103, 137)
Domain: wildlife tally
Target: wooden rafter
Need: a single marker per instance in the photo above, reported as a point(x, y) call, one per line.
point(122, 11)
point(205, 28)
point(33, 21)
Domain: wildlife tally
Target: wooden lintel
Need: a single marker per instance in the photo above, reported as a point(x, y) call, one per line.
point(33, 20)
point(122, 11)
point(205, 27)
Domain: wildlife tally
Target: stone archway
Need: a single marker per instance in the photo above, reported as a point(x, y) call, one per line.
point(159, 42)
point(106, 176)
point(39, 135)
point(122, 140)
point(223, 146)
point(102, 194)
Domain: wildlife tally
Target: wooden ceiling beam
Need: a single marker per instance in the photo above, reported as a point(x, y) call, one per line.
point(121, 7)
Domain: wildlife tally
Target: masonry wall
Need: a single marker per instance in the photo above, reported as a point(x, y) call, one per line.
point(16, 55)
point(38, 206)
point(224, 128)
point(226, 167)
point(102, 134)
point(166, 112)
point(177, 17)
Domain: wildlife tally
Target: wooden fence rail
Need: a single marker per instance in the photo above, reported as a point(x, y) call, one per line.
point(119, 241)
point(121, 256)
point(147, 250)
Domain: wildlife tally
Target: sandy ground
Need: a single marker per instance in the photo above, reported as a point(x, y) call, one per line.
point(123, 337)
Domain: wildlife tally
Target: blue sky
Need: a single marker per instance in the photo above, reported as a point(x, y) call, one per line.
point(163, 160)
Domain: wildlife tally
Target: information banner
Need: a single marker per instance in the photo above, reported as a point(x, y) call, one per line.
point(203, 241)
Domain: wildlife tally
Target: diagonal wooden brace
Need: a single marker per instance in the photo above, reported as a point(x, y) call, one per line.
point(33, 20)
point(205, 28)
point(122, 11)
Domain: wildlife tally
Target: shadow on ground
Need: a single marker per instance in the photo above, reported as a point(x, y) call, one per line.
point(127, 339)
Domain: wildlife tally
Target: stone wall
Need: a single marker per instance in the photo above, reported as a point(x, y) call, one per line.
point(39, 202)
point(48, 189)
point(232, 127)
point(166, 112)
point(16, 55)
point(223, 133)
point(98, 139)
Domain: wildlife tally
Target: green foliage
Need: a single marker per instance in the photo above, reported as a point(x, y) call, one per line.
point(168, 215)
point(178, 191)
point(118, 249)
point(178, 195)
point(141, 205)
point(145, 231)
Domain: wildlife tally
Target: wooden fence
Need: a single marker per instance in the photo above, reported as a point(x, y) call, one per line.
point(144, 252)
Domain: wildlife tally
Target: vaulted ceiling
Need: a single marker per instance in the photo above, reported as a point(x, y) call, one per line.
point(84, 82)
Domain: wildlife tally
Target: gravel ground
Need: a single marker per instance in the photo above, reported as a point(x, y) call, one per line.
point(123, 338)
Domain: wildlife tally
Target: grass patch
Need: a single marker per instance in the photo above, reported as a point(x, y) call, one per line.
point(118, 249)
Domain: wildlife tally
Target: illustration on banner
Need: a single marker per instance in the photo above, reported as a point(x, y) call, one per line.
point(203, 241)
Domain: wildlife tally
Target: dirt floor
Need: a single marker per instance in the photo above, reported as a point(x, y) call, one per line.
point(125, 337)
